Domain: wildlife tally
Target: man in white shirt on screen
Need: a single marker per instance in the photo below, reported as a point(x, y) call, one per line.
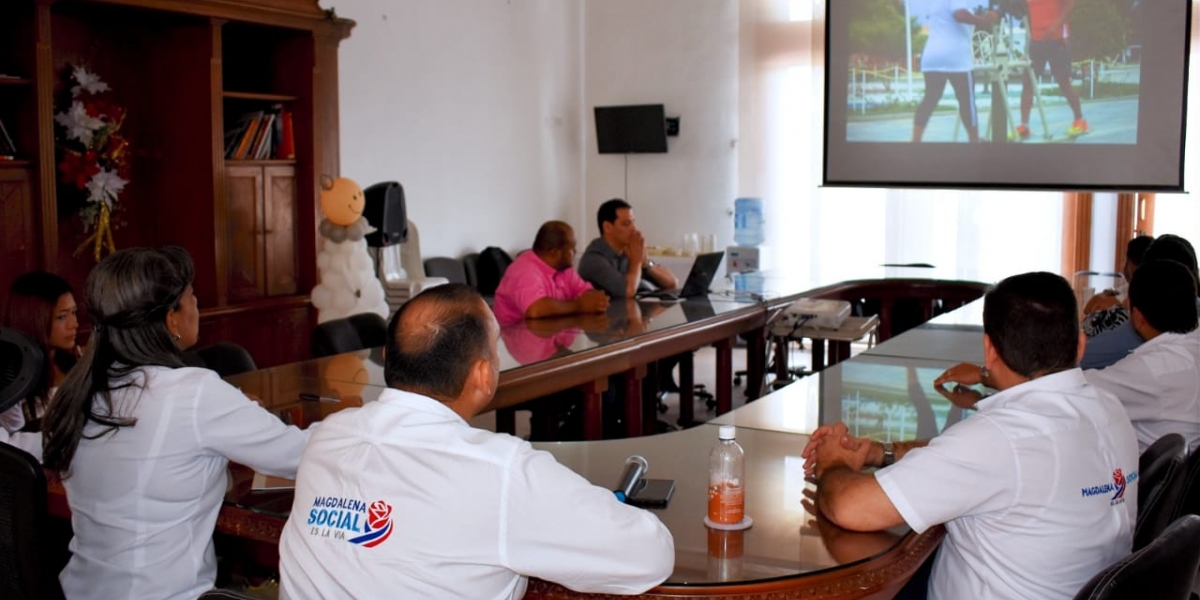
point(402, 498)
point(1038, 490)
point(948, 58)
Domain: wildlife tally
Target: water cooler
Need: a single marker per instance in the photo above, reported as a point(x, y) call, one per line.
point(744, 262)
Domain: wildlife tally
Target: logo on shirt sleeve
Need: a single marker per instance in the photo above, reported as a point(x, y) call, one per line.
point(1117, 487)
point(351, 520)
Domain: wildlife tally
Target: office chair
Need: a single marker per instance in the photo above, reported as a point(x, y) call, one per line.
point(1164, 569)
point(471, 269)
point(1155, 459)
point(25, 572)
point(1189, 495)
point(226, 358)
point(449, 268)
point(356, 332)
point(21, 363)
point(227, 595)
point(401, 270)
point(1159, 486)
point(490, 268)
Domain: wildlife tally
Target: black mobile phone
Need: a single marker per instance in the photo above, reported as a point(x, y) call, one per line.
point(653, 493)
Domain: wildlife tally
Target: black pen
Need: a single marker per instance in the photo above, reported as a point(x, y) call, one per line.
point(317, 397)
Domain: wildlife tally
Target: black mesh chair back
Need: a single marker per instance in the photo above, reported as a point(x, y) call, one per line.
point(1189, 490)
point(450, 268)
point(356, 332)
point(471, 269)
point(23, 572)
point(226, 358)
point(490, 267)
point(1154, 460)
point(1158, 509)
point(21, 364)
point(1164, 570)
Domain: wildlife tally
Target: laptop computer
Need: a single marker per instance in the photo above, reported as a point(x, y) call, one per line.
point(699, 278)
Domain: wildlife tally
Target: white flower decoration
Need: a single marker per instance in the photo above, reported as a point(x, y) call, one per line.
point(80, 125)
point(104, 187)
point(88, 82)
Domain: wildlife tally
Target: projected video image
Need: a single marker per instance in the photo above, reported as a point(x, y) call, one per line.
point(1017, 71)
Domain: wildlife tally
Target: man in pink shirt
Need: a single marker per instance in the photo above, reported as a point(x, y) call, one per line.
point(543, 282)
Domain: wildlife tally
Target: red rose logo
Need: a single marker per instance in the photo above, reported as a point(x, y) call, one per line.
point(379, 514)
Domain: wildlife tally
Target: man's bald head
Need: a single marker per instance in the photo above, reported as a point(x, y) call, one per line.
point(553, 235)
point(435, 339)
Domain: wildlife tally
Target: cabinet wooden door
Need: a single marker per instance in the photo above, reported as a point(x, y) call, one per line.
point(18, 247)
point(244, 264)
point(279, 231)
point(259, 232)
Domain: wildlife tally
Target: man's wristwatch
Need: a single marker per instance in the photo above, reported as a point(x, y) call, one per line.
point(984, 376)
point(889, 454)
point(649, 263)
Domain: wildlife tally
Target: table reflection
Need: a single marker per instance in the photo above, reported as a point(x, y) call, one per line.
point(885, 398)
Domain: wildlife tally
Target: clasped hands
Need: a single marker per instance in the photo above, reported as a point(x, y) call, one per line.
point(832, 446)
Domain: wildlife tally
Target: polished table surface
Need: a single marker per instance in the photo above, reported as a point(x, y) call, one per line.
point(885, 398)
point(789, 552)
point(537, 357)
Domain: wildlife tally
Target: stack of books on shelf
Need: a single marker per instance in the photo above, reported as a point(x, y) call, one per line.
point(262, 135)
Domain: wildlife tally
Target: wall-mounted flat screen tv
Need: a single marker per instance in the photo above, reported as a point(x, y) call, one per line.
point(1018, 94)
point(632, 129)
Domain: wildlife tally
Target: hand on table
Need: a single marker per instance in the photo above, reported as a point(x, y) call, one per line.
point(959, 395)
point(832, 445)
point(964, 373)
point(593, 301)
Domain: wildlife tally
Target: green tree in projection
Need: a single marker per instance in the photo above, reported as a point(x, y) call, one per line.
point(1099, 29)
point(877, 31)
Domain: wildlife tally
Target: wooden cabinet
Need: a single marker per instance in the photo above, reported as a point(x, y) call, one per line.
point(184, 71)
point(18, 245)
point(260, 209)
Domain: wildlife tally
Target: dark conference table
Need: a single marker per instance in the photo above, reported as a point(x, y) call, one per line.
point(790, 552)
point(541, 357)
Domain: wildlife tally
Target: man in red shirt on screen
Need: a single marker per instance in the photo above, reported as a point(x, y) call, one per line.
point(1048, 34)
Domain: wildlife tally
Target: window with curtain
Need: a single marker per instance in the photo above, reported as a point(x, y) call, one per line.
point(816, 233)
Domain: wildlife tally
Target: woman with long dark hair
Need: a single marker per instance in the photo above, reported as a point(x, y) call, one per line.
point(42, 306)
point(143, 442)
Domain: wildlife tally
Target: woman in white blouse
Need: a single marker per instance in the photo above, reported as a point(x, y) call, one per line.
point(42, 306)
point(143, 442)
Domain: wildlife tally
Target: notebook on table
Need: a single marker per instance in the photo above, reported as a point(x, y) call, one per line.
point(704, 268)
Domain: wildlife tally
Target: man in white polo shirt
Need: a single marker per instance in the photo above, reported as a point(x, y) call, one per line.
point(402, 498)
point(1038, 490)
point(1159, 382)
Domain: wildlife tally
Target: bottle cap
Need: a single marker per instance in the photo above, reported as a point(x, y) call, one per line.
point(726, 432)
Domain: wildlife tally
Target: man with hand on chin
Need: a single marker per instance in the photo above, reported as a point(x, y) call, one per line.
point(617, 262)
point(1037, 490)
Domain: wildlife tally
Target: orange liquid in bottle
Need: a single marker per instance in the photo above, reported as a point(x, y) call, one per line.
point(726, 504)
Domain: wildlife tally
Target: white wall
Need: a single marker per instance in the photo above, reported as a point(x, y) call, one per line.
point(684, 54)
point(474, 106)
point(482, 109)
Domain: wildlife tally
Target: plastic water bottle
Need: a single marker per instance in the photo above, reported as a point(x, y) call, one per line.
point(726, 480)
point(748, 221)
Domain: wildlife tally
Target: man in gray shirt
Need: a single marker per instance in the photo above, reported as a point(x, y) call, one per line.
point(616, 262)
